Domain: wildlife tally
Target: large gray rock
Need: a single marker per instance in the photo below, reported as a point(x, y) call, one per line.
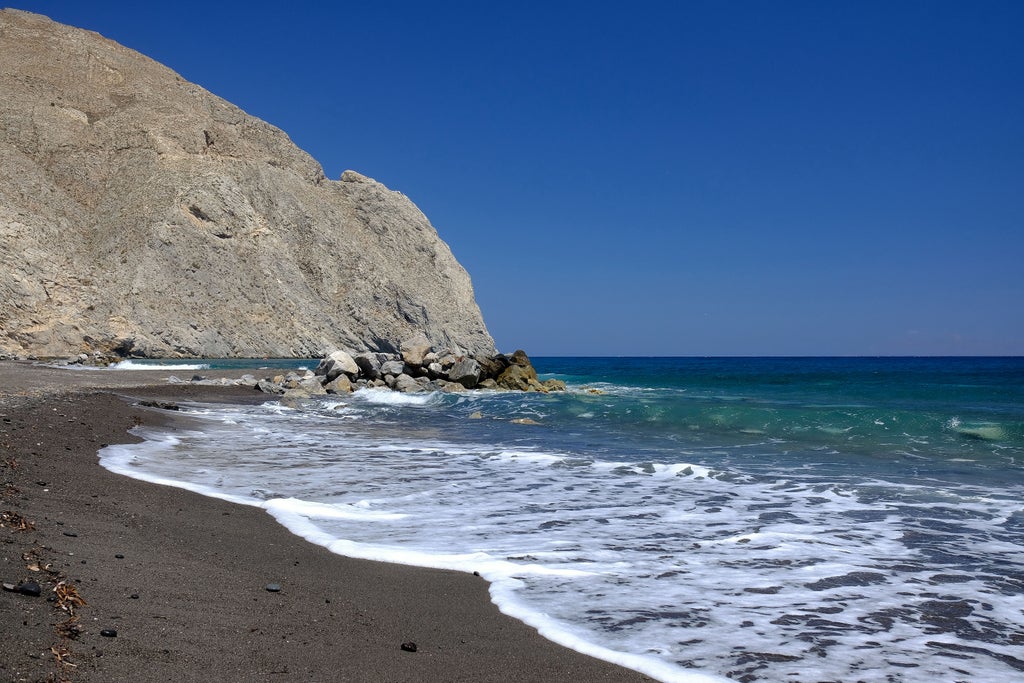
point(307, 386)
point(369, 365)
point(466, 372)
point(392, 367)
point(141, 214)
point(407, 384)
point(337, 363)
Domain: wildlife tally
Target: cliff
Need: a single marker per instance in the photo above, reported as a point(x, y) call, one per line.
point(141, 213)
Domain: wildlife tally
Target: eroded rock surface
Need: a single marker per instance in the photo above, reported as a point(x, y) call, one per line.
point(140, 214)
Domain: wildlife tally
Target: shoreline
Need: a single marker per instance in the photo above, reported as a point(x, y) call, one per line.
point(188, 595)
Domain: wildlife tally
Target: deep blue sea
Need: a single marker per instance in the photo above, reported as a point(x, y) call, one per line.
point(745, 519)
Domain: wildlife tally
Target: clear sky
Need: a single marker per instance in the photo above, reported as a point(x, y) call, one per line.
point(660, 178)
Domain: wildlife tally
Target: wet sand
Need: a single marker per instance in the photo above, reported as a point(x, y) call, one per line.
point(182, 578)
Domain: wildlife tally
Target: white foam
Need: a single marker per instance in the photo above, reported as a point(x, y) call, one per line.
point(647, 564)
point(122, 459)
point(387, 397)
point(506, 597)
point(136, 365)
point(314, 510)
point(983, 432)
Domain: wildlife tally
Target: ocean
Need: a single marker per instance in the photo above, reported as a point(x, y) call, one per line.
point(697, 519)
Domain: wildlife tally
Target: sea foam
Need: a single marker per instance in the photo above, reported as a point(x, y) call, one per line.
point(137, 365)
point(679, 555)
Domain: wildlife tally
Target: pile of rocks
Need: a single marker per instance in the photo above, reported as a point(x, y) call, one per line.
point(417, 368)
point(98, 359)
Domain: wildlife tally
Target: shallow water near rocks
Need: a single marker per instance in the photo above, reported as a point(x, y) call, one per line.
point(695, 519)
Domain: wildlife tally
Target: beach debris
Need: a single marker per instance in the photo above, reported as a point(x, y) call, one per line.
point(69, 628)
point(524, 421)
point(14, 521)
point(476, 415)
point(68, 598)
point(273, 588)
point(109, 633)
point(33, 562)
point(409, 647)
point(61, 654)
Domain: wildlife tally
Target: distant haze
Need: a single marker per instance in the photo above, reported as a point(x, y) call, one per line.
point(658, 178)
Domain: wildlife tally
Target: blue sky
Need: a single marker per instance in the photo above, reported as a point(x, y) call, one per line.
point(661, 178)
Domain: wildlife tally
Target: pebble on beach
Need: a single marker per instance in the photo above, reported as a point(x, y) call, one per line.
point(273, 588)
point(30, 588)
point(409, 646)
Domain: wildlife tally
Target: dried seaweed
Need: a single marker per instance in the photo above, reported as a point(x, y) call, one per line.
point(68, 598)
point(15, 522)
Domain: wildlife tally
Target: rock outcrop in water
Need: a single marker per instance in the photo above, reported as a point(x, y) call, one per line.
point(142, 215)
point(417, 368)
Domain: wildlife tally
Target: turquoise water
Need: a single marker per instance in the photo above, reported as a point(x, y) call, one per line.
point(696, 519)
point(932, 410)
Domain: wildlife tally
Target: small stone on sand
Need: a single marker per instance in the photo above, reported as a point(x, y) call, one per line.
point(30, 588)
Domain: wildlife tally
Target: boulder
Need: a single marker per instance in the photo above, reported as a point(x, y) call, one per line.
point(310, 385)
point(369, 365)
point(393, 368)
point(269, 386)
point(491, 367)
point(339, 385)
point(414, 350)
point(337, 363)
point(520, 374)
point(518, 378)
point(466, 372)
point(406, 384)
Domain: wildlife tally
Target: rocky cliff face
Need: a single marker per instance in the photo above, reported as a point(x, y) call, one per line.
point(141, 213)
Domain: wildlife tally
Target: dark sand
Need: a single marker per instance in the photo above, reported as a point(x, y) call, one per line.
point(188, 597)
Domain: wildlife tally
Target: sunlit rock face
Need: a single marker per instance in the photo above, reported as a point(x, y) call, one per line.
point(143, 215)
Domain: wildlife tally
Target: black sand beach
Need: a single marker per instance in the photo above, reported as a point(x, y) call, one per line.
point(182, 578)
